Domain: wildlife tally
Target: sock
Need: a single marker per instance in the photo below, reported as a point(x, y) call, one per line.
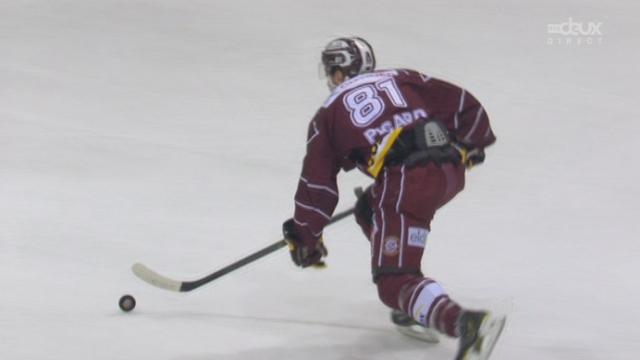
point(427, 303)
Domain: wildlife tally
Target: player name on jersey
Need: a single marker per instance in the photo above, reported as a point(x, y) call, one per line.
point(399, 120)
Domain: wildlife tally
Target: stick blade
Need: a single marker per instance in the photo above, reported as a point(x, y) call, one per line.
point(151, 277)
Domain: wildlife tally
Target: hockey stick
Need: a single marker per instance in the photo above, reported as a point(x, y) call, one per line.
point(155, 279)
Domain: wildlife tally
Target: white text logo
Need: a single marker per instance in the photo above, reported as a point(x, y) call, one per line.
point(574, 33)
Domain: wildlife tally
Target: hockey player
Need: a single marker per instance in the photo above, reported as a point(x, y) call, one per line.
point(415, 135)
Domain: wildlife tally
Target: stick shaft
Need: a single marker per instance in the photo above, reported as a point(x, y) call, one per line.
point(190, 285)
point(158, 280)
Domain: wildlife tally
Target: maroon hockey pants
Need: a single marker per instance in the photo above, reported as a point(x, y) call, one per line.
point(404, 201)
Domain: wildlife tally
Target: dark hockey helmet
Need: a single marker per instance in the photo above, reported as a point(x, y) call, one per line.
point(352, 55)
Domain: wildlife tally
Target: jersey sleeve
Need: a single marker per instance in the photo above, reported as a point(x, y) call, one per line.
point(465, 117)
point(471, 122)
point(317, 194)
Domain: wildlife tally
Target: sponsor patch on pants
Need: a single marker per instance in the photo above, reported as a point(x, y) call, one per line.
point(418, 237)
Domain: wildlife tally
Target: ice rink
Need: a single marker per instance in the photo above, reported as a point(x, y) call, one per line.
point(172, 133)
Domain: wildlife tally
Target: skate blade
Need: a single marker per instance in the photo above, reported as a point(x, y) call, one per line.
point(489, 333)
point(419, 333)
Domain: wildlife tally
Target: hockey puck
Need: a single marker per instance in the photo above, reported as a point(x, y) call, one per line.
point(127, 303)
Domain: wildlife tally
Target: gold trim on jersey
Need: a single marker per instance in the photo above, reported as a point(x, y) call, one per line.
point(379, 152)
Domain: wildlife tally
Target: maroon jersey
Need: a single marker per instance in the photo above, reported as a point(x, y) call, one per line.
point(359, 113)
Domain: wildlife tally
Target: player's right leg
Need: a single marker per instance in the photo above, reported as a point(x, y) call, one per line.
point(404, 201)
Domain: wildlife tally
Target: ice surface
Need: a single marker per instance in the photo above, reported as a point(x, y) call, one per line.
point(171, 133)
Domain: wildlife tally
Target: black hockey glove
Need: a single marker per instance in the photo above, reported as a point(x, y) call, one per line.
point(302, 254)
point(470, 157)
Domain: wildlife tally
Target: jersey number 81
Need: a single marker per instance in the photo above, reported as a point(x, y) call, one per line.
point(365, 104)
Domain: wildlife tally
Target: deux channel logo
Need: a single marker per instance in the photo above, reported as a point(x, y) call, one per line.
point(573, 32)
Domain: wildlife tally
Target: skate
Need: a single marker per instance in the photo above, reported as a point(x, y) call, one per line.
point(479, 332)
point(409, 327)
